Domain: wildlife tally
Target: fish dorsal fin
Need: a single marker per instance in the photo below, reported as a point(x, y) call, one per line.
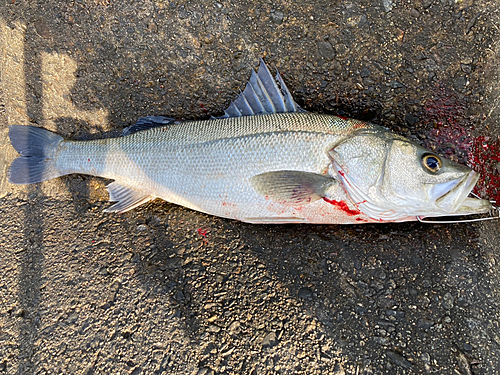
point(263, 95)
point(148, 122)
point(126, 197)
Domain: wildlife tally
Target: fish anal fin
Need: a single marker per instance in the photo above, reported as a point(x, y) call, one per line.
point(126, 197)
point(292, 187)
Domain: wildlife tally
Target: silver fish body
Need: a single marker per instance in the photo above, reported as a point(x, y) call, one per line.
point(270, 168)
point(208, 165)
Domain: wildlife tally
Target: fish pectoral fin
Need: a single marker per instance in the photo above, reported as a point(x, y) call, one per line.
point(126, 197)
point(292, 187)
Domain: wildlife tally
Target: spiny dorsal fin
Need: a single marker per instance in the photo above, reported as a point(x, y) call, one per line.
point(263, 95)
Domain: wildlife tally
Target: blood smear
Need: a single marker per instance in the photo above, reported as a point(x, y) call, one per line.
point(343, 206)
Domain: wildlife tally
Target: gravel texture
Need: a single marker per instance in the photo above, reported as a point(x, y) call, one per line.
point(165, 290)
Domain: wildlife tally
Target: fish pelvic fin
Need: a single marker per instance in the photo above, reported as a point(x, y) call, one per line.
point(37, 149)
point(126, 197)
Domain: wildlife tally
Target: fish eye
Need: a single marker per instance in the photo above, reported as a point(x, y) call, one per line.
point(431, 162)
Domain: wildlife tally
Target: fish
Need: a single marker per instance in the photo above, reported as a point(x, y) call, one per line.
point(265, 161)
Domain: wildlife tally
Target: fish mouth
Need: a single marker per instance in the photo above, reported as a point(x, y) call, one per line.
point(453, 196)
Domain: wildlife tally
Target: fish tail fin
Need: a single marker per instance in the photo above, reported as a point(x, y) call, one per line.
point(37, 148)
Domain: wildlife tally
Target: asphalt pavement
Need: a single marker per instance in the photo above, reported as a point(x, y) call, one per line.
point(165, 290)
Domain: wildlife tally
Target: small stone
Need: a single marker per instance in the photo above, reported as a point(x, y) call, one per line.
point(380, 274)
point(467, 347)
point(326, 50)
point(472, 23)
point(466, 68)
point(411, 119)
point(398, 359)
point(427, 3)
point(209, 348)
point(395, 84)
point(205, 371)
point(388, 5)
point(360, 310)
point(111, 298)
point(399, 315)
point(365, 72)
point(234, 327)
point(448, 301)
point(213, 328)
point(179, 296)
point(153, 27)
point(269, 340)
point(305, 293)
point(42, 29)
point(380, 340)
point(424, 323)
point(415, 13)
point(426, 358)
point(459, 83)
point(277, 17)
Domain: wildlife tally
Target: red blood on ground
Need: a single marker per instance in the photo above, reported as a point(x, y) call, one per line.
point(202, 232)
point(451, 126)
point(202, 106)
point(451, 136)
point(485, 159)
point(343, 206)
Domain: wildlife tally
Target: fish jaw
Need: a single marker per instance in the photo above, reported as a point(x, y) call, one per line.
point(455, 199)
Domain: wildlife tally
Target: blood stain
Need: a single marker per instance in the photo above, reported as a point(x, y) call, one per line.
point(451, 136)
point(485, 159)
point(202, 232)
point(343, 206)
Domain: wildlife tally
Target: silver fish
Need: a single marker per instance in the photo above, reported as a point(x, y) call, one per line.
point(265, 161)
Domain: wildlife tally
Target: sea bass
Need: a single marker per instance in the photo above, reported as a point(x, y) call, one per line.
point(265, 161)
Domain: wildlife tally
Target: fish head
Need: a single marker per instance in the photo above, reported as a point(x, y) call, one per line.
point(391, 178)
